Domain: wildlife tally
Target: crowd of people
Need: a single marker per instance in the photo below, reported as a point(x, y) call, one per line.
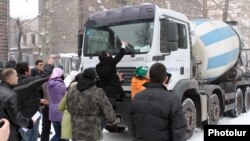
point(80, 111)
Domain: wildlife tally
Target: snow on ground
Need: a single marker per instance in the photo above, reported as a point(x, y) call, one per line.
point(243, 119)
point(198, 135)
point(70, 77)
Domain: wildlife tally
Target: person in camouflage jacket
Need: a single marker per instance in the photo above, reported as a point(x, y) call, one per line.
point(87, 104)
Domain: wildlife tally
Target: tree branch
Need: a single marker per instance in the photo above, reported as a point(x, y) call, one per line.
point(217, 4)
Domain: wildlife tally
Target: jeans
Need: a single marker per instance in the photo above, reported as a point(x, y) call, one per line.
point(45, 124)
point(57, 136)
point(31, 134)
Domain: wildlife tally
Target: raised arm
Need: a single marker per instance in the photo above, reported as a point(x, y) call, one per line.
point(120, 54)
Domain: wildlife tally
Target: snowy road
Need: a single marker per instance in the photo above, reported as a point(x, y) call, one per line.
point(198, 135)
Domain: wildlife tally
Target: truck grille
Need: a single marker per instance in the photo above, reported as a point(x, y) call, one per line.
point(128, 73)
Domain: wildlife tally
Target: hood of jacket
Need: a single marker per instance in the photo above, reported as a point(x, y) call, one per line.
point(84, 84)
point(57, 72)
point(54, 81)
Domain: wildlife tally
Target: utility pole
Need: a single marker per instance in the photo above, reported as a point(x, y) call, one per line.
point(46, 28)
point(225, 10)
point(205, 9)
point(20, 33)
point(4, 10)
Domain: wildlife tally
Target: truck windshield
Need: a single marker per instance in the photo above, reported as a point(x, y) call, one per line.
point(108, 38)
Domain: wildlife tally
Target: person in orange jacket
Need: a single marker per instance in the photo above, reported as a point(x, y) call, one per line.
point(138, 80)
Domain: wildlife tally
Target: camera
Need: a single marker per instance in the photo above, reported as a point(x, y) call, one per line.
point(169, 75)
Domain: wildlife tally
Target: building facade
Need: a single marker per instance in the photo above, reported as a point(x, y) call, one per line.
point(31, 49)
point(4, 14)
point(61, 21)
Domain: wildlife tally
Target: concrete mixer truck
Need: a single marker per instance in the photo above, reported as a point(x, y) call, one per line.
point(205, 57)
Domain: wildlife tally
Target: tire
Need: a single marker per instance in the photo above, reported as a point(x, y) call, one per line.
point(190, 116)
point(238, 104)
point(213, 109)
point(247, 100)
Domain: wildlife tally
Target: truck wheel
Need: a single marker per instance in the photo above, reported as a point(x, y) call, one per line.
point(190, 116)
point(213, 109)
point(247, 100)
point(238, 104)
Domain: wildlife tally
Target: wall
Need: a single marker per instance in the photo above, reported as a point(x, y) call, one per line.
point(60, 21)
point(58, 26)
point(4, 14)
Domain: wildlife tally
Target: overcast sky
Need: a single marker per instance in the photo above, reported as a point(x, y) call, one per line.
point(24, 9)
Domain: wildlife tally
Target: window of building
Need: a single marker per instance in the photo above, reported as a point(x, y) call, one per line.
point(33, 39)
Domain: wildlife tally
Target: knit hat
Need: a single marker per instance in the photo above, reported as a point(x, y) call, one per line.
point(141, 71)
point(89, 74)
point(57, 72)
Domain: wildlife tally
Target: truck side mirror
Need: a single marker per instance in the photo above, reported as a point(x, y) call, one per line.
point(79, 44)
point(168, 36)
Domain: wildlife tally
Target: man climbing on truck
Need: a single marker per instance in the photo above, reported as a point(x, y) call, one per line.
point(106, 70)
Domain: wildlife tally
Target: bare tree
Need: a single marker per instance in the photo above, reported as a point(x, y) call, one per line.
point(205, 9)
point(225, 10)
point(223, 6)
point(143, 35)
point(233, 10)
point(20, 32)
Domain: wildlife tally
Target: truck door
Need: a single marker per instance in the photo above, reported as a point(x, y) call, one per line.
point(174, 50)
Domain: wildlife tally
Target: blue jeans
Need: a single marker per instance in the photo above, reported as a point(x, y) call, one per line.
point(31, 134)
point(57, 136)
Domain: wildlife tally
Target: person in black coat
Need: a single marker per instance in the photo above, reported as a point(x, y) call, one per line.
point(38, 69)
point(29, 99)
point(155, 113)
point(106, 70)
point(46, 123)
point(8, 105)
point(11, 63)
